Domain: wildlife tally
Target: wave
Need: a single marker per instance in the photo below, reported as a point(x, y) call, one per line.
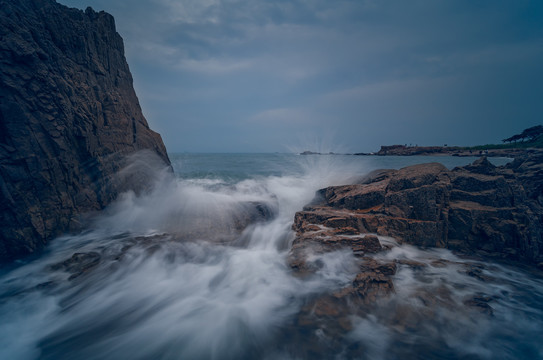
point(196, 268)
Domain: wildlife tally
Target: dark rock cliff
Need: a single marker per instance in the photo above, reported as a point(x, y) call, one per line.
point(69, 117)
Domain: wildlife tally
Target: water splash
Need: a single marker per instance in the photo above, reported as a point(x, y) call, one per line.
point(183, 270)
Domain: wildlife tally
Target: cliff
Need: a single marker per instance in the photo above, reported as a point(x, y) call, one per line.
point(69, 117)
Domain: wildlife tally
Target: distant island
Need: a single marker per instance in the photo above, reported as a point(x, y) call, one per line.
point(307, 152)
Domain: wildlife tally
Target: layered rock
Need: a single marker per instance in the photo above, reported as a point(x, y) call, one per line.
point(69, 117)
point(477, 208)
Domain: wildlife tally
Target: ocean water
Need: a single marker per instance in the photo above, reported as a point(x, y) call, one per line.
point(195, 268)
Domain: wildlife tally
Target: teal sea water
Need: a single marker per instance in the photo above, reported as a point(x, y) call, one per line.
point(170, 275)
point(237, 167)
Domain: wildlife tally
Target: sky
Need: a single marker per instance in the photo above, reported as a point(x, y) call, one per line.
point(332, 75)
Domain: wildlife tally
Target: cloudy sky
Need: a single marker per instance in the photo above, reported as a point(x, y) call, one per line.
point(342, 75)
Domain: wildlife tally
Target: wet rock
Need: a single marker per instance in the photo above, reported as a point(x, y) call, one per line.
point(387, 268)
point(319, 240)
point(412, 263)
point(495, 211)
point(476, 271)
point(332, 313)
point(480, 303)
point(78, 264)
point(348, 230)
point(69, 117)
point(478, 209)
point(111, 255)
point(221, 225)
point(354, 197)
point(367, 245)
point(371, 285)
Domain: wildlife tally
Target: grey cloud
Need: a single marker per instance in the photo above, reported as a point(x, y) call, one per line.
point(373, 72)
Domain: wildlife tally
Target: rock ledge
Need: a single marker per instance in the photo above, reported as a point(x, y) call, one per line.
point(478, 208)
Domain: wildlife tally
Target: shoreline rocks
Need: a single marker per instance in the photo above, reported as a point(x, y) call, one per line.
point(479, 208)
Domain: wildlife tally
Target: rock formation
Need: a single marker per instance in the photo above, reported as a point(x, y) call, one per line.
point(478, 208)
point(69, 117)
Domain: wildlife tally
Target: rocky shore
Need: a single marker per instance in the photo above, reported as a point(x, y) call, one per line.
point(477, 210)
point(480, 211)
point(496, 211)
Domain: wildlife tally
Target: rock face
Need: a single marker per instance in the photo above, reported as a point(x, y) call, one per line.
point(476, 208)
point(69, 117)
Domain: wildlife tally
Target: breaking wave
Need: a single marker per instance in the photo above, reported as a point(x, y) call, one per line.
point(196, 268)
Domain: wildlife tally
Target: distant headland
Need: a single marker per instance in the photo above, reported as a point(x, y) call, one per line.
point(527, 142)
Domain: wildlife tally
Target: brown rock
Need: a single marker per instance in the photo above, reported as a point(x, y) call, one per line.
point(332, 312)
point(354, 197)
point(368, 244)
point(412, 263)
point(372, 265)
point(372, 285)
point(415, 176)
point(480, 207)
point(349, 230)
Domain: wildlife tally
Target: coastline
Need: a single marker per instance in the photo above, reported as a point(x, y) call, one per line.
point(402, 150)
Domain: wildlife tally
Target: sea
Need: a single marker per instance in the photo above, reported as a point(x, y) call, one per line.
point(186, 270)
